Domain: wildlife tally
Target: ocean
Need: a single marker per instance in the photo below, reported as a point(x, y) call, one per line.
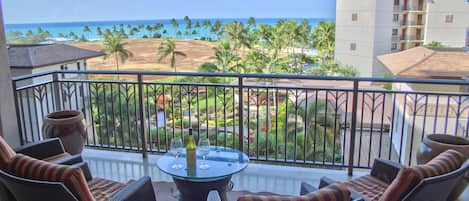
point(61, 31)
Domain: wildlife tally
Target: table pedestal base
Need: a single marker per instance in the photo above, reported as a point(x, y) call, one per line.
point(198, 191)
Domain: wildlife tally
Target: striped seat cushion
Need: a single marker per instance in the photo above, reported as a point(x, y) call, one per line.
point(103, 189)
point(72, 177)
point(405, 181)
point(369, 187)
point(443, 163)
point(6, 154)
point(334, 192)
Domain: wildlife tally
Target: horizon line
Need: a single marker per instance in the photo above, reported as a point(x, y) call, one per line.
point(128, 20)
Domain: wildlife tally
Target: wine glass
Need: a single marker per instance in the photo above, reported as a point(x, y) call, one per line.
point(204, 150)
point(175, 150)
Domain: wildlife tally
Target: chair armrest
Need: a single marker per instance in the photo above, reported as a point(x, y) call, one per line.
point(42, 149)
point(141, 189)
point(213, 196)
point(306, 188)
point(326, 181)
point(70, 160)
point(85, 169)
point(385, 170)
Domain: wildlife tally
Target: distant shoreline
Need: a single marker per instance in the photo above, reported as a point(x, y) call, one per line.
point(166, 19)
point(73, 31)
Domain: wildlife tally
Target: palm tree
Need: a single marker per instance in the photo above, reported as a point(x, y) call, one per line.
point(324, 39)
point(175, 24)
point(225, 57)
point(168, 48)
point(14, 34)
point(320, 130)
point(29, 33)
point(149, 30)
point(188, 22)
point(113, 46)
point(99, 31)
point(72, 35)
point(304, 30)
point(207, 25)
point(216, 28)
point(251, 22)
point(114, 29)
point(236, 33)
point(86, 29)
point(107, 32)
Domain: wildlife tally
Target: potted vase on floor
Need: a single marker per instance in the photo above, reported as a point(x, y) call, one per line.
point(434, 144)
point(67, 125)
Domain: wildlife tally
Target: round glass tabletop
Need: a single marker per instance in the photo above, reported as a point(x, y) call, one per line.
point(222, 162)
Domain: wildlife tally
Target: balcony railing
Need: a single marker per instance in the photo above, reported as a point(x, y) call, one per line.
point(324, 121)
point(412, 8)
point(411, 38)
point(412, 23)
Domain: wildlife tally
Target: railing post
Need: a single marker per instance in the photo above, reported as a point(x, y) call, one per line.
point(58, 95)
point(353, 127)
point(240, 113)
point(142, 115)
point(18, 115)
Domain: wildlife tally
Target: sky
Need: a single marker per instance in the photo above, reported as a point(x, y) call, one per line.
point(34, 11)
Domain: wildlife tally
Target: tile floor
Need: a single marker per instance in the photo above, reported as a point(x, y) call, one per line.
point(123, 166)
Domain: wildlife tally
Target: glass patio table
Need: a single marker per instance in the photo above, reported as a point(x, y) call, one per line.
point(195, 183)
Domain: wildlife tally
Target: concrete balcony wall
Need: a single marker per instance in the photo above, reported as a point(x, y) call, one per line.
point(8, 122)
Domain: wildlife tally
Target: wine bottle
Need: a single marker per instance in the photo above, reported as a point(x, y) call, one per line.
point(190, 151)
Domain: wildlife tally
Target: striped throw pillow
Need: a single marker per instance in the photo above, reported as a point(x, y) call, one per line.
point(333, 192)
point(6, 154)
point(405, 181)
point(443, 163)
point(72, 177)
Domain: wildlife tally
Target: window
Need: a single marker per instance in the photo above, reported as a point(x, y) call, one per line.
point(396, 2)
point(354, 17)
point(449, 18)
point(395, 18)
point(394, 46)
point(63, 67)
point(395, 32)
point(353, 46)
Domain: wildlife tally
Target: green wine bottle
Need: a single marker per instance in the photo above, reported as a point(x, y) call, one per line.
point(190, 151)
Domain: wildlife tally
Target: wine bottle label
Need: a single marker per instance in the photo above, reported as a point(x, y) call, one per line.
point(191, 160)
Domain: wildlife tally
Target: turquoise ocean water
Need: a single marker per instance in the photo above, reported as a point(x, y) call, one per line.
point(168, 30)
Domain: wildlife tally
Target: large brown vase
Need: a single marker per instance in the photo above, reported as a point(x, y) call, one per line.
point(434, 144)
point(69, 127)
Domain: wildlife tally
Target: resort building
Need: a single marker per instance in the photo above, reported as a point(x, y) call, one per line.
point(447, 114)
point(367, 29)
point(30, 59)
